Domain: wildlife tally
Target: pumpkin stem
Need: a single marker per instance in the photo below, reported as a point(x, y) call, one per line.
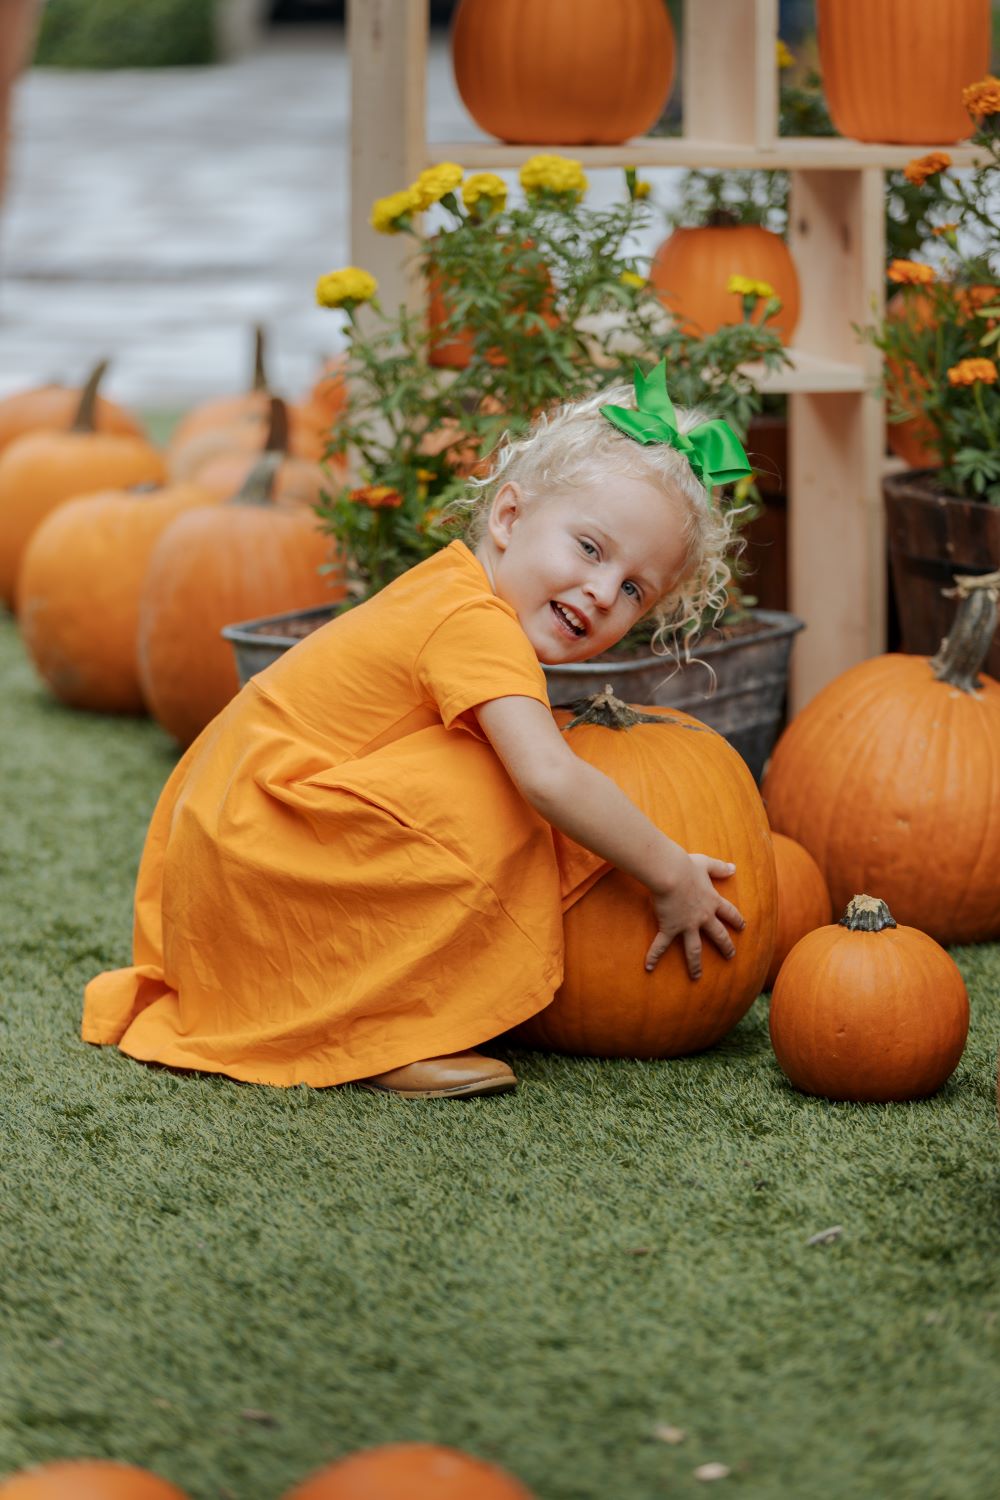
point(86, 413)
point(866, 914)
point(258, 487)
point(609, 712)
point(277, 432)
point(961, 654)
point(259, 372)
point(722, 218)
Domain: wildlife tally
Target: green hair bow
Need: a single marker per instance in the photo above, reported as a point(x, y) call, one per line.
point(712, 449)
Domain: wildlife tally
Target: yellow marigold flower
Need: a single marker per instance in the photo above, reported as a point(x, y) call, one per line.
point(944, 228)
point(484, 185)
point(972, 371)
point(553, 174)
point(387, 212)
point(345, 287)
point(377, 496)
point(434, 183)
point(642, 190)
point(910, 273)
point(983, 98)
point(746, 286)
point(921, 168)
point(632, 278)
point(784, 57)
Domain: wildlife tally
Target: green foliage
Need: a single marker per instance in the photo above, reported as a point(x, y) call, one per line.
point(712, 197)
point(126, 33)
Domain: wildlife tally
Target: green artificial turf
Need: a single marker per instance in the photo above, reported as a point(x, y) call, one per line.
point(231, 1284)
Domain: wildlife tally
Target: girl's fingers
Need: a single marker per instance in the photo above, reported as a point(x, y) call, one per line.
point(657, 948)
point(719, 869)
point(729, 913)
point(719, 935)
point(692, 953)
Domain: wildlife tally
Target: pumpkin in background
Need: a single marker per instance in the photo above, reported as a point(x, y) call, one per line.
point(42, 470)
point(569, 72)
point(410, 1471)
point(87, 1479)
point(328, 395)
point(868, 1011)
point(213, 567)
point(79, 590)
point(889, 778)
point(894, 70)
point(297, 481)
point(803, 899)
point(692, 267)
point(57, 406)
point(695, 786)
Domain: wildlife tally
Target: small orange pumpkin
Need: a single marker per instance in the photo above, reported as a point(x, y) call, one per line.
point(692, 783)
point(570, 72)
point(803, 899)
point(894, 70)
point(212, 567)
point(692, 267)
point(416, 1471)
point(868, 1011)
point(889, 775)
point(297, 481)
point(87, 1479)
point(50, 406)
point(82, 643)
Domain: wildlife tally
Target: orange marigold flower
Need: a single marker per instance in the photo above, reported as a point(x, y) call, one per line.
point(983, 98)
point(921, 168)
point(377, 496)
point(972, 371)
point(944, 228)
point(910, 273)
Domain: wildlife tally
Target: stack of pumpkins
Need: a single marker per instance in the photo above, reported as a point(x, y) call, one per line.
point(122, 563)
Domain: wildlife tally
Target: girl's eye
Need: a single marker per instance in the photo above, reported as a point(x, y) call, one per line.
point(632, 589)
point(588, 547)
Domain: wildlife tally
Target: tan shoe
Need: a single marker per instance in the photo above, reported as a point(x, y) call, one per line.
point(462, 1075)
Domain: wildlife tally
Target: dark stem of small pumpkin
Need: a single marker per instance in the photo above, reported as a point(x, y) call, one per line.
point(259, 371)
point(961, 654)
point(722, 218)
point(866, 914)
point(277, 432)
point(258, 487)
point(609, 712)
point(86, 413)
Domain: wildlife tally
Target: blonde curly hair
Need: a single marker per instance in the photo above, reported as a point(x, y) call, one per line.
point(575, 445)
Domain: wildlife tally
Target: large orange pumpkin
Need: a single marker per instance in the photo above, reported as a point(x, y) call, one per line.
point(894, 70)
point(57, 406)
point(210, 568)
point(569, 72)
point(868, 1011)
point(692, 267)
point(410, 1471)
point(87, 1479)
point(79, 589)
point(42, 470)
point(693, 785)
point(803, 899)
point(889, 778)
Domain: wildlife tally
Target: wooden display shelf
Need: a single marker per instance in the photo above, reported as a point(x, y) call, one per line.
point(811, 373)
point(785, 154)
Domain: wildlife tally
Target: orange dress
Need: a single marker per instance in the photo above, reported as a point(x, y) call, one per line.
point(340, 877)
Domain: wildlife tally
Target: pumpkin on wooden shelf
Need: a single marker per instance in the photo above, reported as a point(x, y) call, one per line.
point(569, 72)
point(692, 268)
point(868, 1011)
point(80, 586)
point(894, 71)
point(803, 899)
point(889, 778)
point(695, 786)
point(49, 406)
point(42, 470)
point(87, 1479)
point(416, 1471)
point(246, 558)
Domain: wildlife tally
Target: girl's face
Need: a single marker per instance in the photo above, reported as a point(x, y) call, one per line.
point(580, 567)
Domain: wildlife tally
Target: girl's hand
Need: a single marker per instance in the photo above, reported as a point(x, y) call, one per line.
point(693, 906)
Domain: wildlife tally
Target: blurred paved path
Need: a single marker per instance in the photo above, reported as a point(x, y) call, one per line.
point(154, 216)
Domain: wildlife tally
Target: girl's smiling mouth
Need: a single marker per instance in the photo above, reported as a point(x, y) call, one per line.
point(572, 623)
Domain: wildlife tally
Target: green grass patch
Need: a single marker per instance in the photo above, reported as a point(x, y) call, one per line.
point(540, 1279)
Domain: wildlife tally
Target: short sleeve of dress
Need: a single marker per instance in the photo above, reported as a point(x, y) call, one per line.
point(477, 653)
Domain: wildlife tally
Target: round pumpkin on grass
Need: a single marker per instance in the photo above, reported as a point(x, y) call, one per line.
point(42, 470)
point(79, 589)
point(696, 787)
point(803, 899)
point(214, 567)
point(869, 1011)
point(48, 406)
point(410, 1471)
point(889, 778)
point(297, 481)
point(87, 1479)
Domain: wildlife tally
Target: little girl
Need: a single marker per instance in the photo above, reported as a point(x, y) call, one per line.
point(353, 874)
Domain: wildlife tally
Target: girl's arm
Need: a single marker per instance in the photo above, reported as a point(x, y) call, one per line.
point(587, 805)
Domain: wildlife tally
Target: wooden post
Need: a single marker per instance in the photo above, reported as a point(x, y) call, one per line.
point(730, 71)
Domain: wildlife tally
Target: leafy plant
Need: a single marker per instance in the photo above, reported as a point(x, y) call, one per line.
point(123, 34)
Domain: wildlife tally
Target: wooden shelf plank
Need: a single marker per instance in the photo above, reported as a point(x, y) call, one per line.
point(788, 153)
point(811, 374)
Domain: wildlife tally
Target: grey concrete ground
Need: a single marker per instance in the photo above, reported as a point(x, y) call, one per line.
point(154, 216)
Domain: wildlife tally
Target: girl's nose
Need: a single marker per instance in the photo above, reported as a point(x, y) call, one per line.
point(602, 587)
